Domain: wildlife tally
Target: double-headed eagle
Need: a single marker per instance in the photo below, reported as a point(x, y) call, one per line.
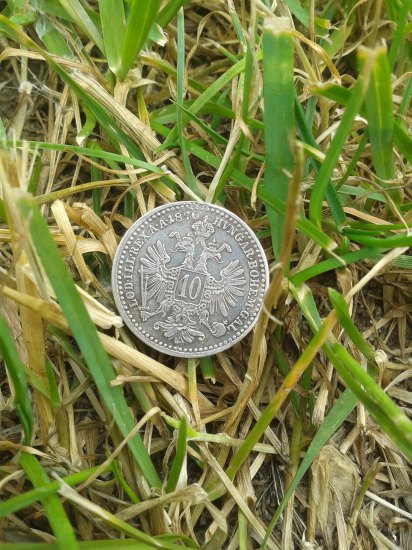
point(215, 295)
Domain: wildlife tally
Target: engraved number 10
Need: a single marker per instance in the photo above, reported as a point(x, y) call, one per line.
point(194, 287)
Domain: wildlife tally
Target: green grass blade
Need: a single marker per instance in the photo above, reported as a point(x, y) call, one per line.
point(339, 305)
point(400, 32)
point(96, 175)
point(208, 94)
point(283, 366)
point(34, 176)
point(88, 152)
point(392, 8)
point(21, 12)
point(403, 261)
point(333, 420)
point(52, 506)
point(37, 383)
point(3, 135)
point(3, 215)
point(123, 483)
point(110, 126)
point(303, 224)
point(16, 5)
point(207, 369)
point(341, 95)
point(86, 336)
point(333, 263)
point(180, 456)
point(180, 80)
point(402, 141)
point(382, 409)
point(278, 94)
point(248, 79)
point(51, 7)
point(16, 371)
point(298, 11)
point(272, 408)
point(52, 382)
point(355, 159)
point(114, 27)
point(306, 135)
point(332, 155)
point(22, 500)
point(165, 541)
point(375, 242)
point(379, 405)
point(406, 99)
point(52, 38)
point(88, 545)
point(142, 15)
point(80, 17)
point(216, 137)
point(87, 129)
point(304, 297)
point(378, 102)
point(156, 35)
point(169, 11)
point(241, 155)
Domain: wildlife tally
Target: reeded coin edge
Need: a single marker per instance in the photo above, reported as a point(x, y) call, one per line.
point(133, 323)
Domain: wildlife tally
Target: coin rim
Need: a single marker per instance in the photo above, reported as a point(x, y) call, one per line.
point(125, 317)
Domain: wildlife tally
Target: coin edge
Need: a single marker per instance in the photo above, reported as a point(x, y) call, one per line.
point(128, 322)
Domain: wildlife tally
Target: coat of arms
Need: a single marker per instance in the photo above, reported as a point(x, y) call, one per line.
point(187, 299)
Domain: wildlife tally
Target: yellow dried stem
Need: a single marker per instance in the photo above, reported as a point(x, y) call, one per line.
point(255, 523)
point(84, 246)
point(31, 321)
point(10, 312)
point(100, 314)
point(17, 447)
point(65, 227)
point(102, 467)
point(258, 352)
point(63, 61)
point(132, 125)
point(121, 92)
point(233, 140)
point(76, 189)
point(60, 130)
point(332, 474)
point(33, 335)
point(87, 218)
point(115, 348)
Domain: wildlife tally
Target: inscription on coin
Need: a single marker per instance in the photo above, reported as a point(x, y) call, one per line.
point(189, 279)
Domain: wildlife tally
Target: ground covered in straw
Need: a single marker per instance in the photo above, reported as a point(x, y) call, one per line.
point(296, 117)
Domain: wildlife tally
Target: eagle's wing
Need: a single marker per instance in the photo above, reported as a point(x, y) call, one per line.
point(155, 273)
point(224, 293)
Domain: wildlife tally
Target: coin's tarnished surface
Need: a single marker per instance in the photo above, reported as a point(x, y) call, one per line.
point(189, 279)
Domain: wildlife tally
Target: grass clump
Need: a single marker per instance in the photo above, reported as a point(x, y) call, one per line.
point(298, 121)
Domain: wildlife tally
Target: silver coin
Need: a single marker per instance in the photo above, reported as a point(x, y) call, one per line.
point(189, 279)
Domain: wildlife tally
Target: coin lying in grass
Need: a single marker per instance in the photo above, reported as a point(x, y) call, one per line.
point(189, 279)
